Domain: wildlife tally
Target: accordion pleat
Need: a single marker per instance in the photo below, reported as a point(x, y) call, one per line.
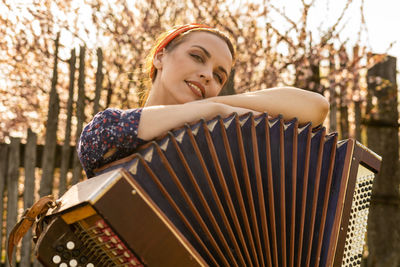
point(247, 191)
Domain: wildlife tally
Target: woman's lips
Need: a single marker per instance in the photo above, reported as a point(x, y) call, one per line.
point(197, 88)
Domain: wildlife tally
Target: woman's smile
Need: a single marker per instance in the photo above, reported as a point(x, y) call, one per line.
point(197, 88)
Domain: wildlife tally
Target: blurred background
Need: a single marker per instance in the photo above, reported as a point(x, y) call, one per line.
point(61, 62)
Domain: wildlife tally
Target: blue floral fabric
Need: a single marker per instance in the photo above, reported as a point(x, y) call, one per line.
point(110, 130)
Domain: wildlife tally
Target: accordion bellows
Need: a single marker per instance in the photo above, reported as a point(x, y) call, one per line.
point(239, 191)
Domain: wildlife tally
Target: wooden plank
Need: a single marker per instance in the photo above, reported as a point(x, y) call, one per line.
point(29, 190)
point(383, 139)
point(46, 183)
point(66, 149)
point(39, 155)
point(332, 94)
point(12, 185)
point(356, 92)
point(80, 114)
point(3, 178)
point(99, 81)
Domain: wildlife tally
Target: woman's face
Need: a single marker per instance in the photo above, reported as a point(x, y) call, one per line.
point(195, 69)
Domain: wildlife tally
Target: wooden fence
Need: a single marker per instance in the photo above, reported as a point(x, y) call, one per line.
point(29, 171)
point(21, 172)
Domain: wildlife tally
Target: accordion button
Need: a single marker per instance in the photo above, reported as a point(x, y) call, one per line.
point(59, 248)
point(107, 232)
point(83, 259)
point(70, 245)
point(90, 265)
point(63, 265)
point(73, 263)
point(56, 259)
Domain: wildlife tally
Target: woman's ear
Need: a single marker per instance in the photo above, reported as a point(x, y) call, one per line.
point(157, 61)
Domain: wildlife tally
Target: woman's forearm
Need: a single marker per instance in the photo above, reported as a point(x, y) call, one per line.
point(290, 102)
point(157, 120)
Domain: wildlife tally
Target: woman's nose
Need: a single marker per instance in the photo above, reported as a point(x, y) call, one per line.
point(206, 76)
point(204, 79)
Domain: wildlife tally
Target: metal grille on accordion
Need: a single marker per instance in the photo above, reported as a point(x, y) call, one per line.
point(238, 191)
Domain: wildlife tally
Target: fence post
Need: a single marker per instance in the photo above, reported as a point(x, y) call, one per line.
point(12, 185)
point(332, 94)
point(46, 183)
point(382, 133)
point(80, 114)
point(65, 158)
point(356, 93)
point(357, 120)
point(99, 81)
point(344, 115)
point(3, 178)
point(343, 98)
point(29, 190)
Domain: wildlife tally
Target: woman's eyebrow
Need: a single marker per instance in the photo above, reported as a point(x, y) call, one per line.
point(209, 56)
point(204, 50)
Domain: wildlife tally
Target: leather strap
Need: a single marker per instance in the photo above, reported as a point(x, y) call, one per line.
point(30, 216)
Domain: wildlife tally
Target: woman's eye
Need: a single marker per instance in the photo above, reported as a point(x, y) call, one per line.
point(197, 57)
point(218, 77)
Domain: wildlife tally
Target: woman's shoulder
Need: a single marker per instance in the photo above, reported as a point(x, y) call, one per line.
point(114, 114)
point(111, 135)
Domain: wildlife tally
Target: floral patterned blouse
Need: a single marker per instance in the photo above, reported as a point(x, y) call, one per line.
point(112, 130)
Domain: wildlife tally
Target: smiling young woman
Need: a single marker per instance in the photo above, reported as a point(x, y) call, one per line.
point(188, 67)
point(195, 69)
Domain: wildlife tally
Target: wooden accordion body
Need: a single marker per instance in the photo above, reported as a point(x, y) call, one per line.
point(239, 191)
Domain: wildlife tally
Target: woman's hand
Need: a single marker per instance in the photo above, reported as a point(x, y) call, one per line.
point(289, 102)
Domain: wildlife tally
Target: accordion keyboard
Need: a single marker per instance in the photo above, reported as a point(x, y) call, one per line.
point(87, 243)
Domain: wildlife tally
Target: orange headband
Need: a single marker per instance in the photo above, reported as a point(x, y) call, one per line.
point(172, 36)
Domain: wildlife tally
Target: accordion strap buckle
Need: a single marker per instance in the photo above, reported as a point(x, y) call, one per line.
point(34, 214)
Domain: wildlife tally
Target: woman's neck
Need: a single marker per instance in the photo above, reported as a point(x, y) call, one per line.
point(156, 96)
point(153, 99)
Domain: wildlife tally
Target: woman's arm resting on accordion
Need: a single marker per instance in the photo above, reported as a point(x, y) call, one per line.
point(290, 102)
point(156, 120)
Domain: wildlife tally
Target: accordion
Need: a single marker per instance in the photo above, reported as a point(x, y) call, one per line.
point(235, 191)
